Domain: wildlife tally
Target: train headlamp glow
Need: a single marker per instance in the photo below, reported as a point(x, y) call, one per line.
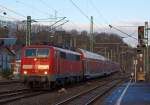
point(27, 67)
point(43, 67)
point(35, 59)
point(25, 72)
point(45, 72)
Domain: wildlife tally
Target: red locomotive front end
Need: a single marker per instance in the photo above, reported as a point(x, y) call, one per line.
point(43, 65)
point(36, 64)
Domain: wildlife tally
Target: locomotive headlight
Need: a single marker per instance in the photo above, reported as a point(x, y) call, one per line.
point(35, 59)
point(44, 67)
point(25, 72)
point(45, 72)
point(27, 67)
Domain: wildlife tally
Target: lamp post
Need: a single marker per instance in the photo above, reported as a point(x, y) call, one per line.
point(147, 47)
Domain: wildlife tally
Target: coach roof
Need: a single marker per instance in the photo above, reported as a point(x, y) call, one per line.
point(57, 48)
point(67, 51)
point(91, 55)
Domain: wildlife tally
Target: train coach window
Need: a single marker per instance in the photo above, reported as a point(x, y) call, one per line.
point(77, 57)
point(69, 56)
point(63, 55)
point(72, 57)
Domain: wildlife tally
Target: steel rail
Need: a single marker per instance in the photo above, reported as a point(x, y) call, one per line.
point(64, 102)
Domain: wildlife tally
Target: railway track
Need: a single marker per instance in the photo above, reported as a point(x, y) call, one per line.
point(91, 95)
point(10, 82)
point(9, 96)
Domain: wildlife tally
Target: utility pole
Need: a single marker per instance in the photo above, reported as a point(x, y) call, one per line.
point(74, 42)
point(111, 52)
point(105, 52)
point(28, 34)
point(108, 56)
point(135, 69)
point(91, 35)
point(146, 49)
point(117, 57)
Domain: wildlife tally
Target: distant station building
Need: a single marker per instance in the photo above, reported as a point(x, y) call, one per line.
point(7, 54)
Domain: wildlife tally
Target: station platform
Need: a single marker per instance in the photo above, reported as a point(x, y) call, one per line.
point(130, 93)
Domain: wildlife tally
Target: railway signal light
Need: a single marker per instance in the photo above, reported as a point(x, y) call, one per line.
point(141, 35)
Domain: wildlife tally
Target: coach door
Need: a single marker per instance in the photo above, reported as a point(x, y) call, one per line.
point(57, 62)
point(85, 64)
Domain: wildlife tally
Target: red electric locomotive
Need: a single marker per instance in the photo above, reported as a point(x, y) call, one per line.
point(47, 65)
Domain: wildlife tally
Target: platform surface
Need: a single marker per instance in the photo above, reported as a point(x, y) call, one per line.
point(130, 93)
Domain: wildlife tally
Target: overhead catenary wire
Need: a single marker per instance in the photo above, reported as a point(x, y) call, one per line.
point(111, 26)
point(133, 33)
point(19, 14)
point(83, 13)
point(34, 8)
point(9, 17)
point(98, 11)
point(6, 15)
point(59, 25)
point(48, 6)
point(122, 32)
point(58, 21)
point(134, 26)
point(48, 18)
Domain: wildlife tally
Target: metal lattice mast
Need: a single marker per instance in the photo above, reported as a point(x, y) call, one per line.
point(28, 35)
point(91, 35)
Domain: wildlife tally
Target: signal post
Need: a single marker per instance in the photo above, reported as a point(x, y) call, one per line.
point(141, 71)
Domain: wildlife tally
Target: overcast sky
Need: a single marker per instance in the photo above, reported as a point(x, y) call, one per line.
point(105, 12)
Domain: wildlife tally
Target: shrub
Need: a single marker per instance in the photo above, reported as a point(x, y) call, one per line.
point(6, 73)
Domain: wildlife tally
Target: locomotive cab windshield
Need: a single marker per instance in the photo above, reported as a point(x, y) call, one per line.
point(37, 52)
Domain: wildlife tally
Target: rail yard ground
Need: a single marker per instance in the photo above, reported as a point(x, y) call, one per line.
point(55, 96)
point(117, 89)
